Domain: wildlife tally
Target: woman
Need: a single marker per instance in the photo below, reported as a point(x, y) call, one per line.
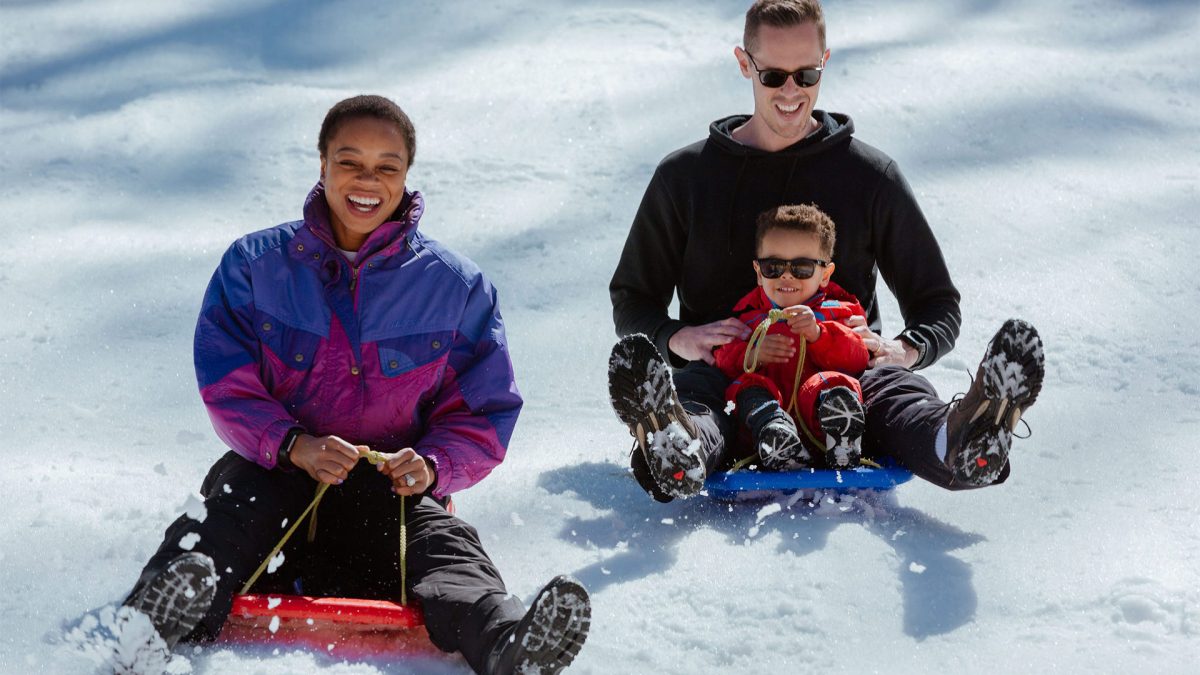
point(321, 340)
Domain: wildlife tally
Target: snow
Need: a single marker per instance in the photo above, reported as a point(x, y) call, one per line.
point(1052, 145)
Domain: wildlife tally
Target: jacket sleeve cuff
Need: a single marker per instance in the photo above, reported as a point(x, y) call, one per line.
point(442, 471)
point(270, 442)
point(662, 340)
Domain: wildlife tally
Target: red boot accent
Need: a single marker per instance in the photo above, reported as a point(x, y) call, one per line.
point(678, 475)
point(981, 461)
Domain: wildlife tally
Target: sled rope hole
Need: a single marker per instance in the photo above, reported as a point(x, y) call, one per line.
point(374, 458)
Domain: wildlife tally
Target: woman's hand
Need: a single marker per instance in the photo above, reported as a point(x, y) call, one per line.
point(803, 322)
point(410, 473)
point(327, 459)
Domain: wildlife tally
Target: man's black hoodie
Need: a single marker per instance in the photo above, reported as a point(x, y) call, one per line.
point(694, 234)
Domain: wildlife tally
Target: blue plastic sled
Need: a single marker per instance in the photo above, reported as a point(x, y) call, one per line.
point(737, 485)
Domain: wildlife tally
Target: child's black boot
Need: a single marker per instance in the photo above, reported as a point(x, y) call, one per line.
point(843, 421)
point(776, 439)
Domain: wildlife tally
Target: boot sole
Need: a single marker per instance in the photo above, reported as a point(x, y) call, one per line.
point(786, 453)
point(843, 421)
point(1012, 369)
point(561, 618)
point(178, 598)
point(643, 396)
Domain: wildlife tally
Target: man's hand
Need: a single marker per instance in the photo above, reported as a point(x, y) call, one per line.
point(883, 352)
point(695, 343)
point(410, 473)
point(327, 459)
point(803, 322)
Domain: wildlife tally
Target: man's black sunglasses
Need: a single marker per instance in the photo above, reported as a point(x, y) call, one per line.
point(801, 268)
point(775, 78)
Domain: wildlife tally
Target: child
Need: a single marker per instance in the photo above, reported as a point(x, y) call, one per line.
point(801, 363)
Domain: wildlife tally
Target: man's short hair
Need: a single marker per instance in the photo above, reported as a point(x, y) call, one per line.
point(370, 106)
point(782, 14)
point(806, 218)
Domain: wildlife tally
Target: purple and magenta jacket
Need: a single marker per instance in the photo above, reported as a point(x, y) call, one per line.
point(403, 348)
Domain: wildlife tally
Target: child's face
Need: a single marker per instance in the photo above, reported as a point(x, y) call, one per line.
point(787, 290)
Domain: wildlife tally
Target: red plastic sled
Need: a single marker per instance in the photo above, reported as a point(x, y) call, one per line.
point(345, 627)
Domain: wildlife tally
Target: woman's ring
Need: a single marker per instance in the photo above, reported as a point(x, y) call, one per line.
point(409, 480)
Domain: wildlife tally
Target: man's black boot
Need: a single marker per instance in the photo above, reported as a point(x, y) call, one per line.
point(644, 398)
point(980, 425)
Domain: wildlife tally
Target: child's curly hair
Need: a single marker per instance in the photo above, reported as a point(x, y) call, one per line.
point(798, 218)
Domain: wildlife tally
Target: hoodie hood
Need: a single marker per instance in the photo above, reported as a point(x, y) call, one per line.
point(835, 129)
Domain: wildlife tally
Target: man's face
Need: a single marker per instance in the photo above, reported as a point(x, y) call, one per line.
point(785, 112)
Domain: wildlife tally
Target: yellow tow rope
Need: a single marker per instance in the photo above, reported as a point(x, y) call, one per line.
point(374, 458)
point(750, 364)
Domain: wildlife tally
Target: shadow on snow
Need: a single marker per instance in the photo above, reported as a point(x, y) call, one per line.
point(937, 600)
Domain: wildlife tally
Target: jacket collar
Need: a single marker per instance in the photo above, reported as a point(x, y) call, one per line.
point(388, 238)
point(757, 299)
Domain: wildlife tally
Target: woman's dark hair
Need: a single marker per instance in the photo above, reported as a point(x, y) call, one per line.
point(368, 105)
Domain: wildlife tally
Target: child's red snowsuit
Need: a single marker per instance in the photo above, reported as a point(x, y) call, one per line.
point(837, 358)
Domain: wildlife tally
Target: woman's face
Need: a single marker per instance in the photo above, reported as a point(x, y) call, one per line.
point(364, 171)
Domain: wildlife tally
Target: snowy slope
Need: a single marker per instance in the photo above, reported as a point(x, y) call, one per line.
point(1054, 146)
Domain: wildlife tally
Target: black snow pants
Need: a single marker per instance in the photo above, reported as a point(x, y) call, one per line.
point(355, 553)
point(903, 412)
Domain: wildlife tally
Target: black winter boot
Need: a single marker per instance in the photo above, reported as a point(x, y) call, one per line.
point(549, 636)
point(843, 421)
point(178, 597)
point(776, 439)
point(980, 424)
point(643, 396)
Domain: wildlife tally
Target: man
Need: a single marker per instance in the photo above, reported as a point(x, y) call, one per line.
point(693, 236)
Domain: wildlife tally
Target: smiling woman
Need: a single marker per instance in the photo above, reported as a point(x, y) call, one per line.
point(344, 335)
point(367, 144)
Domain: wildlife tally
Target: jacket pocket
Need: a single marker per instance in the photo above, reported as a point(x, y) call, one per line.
point(295, 348)
point(404, 353)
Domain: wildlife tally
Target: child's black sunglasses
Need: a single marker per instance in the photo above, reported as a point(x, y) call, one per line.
point(801, 268)
point(775, 78)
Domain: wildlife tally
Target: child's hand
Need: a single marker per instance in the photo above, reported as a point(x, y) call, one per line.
point(803, 322)
point(776, 348)
point(409, 472)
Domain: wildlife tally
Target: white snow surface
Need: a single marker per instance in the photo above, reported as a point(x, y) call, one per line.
point(1055, 148)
